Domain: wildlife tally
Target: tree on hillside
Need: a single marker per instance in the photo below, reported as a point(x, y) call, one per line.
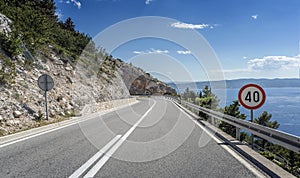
point(34, 27)
point(232, 110)
point(288, 159)
point(208, 99)
point(37, 26)
point(48, 7)
point(189, 95)
point(264, 119)
point(69, 25)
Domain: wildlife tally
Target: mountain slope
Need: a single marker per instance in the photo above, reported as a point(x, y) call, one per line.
point(93, 78)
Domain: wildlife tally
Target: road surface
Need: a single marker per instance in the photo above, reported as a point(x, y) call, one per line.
point(153, 138)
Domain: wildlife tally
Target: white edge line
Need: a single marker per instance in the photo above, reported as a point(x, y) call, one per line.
point(35, 135)
point(93, 171)
point(229, 150)
point(61, 127)
point(86, 165)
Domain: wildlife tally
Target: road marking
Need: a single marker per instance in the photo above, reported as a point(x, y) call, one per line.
point(93, 159)
point(35, 135)
point(76, 121)
point(229, 150)
point(92, 172)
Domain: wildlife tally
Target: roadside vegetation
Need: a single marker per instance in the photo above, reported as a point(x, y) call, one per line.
point(285, 158)
point(35, 37)
point(34, 28)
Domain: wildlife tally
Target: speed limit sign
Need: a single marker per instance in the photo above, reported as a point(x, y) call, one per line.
point(252, 96)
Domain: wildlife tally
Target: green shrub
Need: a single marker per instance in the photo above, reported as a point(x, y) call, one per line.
point(39, 116)
point(7, 71)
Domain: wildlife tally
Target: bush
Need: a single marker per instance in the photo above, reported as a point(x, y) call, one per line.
point(10, 44)
point(39, 116)
point(7, 71)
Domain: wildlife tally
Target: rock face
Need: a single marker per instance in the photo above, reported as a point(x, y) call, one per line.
point(22, 103)
point(139, 83)
point(5, 24)
point(87, 83)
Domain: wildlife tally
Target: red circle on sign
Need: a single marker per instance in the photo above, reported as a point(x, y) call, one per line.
point(257, 87)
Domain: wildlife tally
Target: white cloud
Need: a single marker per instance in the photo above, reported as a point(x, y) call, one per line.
point(147, 2)
point(76, 3)
point(239, 70)
point(268, 63)
point(59, 14)
point(266, 67)
point(254, 16)
point(138, 52)
point(152, 51)
point(274, 63)
point(245, 57)
point(236, 70)
point(191, 26)
point(183, 52)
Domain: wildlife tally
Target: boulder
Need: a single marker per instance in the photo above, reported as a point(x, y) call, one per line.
point(62, 114)
point(12, 122)
point(3, 131)
point(46, 67)
point(68, 68)
point(5, 24)
point(70, 79)
point(17, 114)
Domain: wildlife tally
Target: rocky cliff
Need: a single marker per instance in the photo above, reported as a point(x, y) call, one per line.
point(89, 81)
point(138, 82)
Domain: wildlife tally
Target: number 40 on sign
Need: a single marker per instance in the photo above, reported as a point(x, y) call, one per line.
point(252, 96)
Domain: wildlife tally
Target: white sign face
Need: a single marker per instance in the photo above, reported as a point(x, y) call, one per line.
point(252, 96)
point(45, 82)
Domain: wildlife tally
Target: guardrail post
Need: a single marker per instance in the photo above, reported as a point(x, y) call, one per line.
point(237, 133)
point(212, 120)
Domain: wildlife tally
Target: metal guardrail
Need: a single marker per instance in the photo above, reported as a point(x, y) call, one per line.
point(289, 141)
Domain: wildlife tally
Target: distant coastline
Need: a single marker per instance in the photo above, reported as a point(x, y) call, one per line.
point(237, 83)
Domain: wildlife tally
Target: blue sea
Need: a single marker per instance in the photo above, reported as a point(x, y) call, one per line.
point(282, 103)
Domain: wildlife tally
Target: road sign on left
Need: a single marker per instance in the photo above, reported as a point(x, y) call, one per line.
point(45, 82)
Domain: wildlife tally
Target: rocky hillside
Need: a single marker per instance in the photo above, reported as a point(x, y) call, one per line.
point(94, 78)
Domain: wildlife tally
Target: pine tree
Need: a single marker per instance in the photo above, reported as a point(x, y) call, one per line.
point(69, 25)
point(208, 100)
point(37, 26)
point(232, 110)
point(264, 119)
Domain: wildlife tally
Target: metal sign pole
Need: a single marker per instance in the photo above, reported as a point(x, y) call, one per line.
point(252, 96)
point(46, 83)
point(46, 105)
point(251, 117)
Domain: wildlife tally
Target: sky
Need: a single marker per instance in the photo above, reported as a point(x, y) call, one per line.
point(250, 38)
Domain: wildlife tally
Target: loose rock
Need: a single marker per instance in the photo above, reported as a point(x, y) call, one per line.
point(17, 114)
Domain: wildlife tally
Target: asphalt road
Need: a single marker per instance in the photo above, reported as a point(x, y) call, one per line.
point(152, 138)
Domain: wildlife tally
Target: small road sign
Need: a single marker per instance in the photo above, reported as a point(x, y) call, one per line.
point(45, 82)
point(252, 96)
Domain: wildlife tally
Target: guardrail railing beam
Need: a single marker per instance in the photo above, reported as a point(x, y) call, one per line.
point(289, 141)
